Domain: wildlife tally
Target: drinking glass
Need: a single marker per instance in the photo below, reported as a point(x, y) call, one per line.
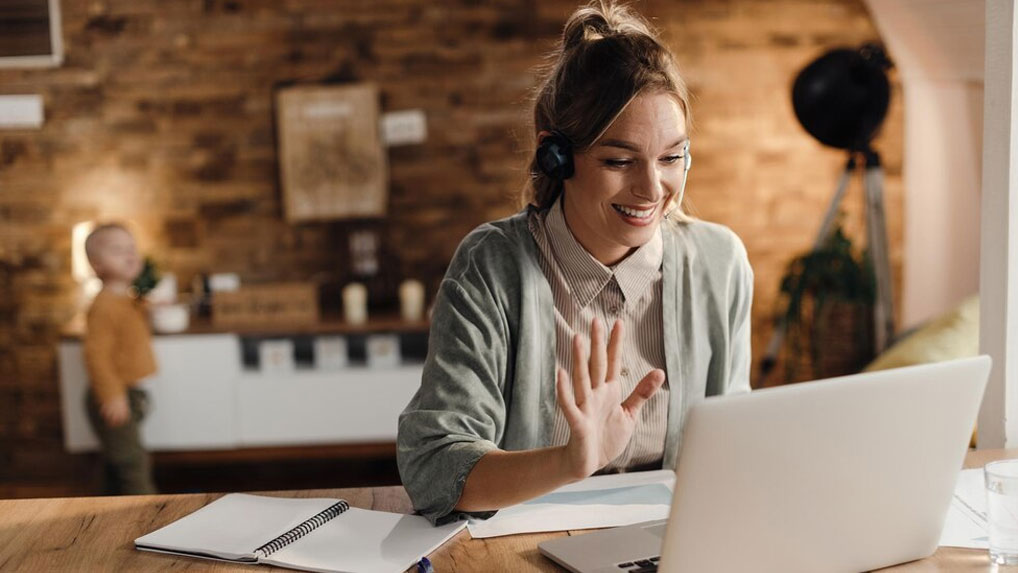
point(1002, 510)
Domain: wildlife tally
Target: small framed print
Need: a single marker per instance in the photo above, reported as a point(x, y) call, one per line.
point(383, 350)
point(332, 161)
point(330, 353)
point(275, 356)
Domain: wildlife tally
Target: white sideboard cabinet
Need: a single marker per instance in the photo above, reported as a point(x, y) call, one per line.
point(203, 398)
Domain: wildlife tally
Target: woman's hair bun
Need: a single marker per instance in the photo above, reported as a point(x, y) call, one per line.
point(601, 19)
point(608, 55)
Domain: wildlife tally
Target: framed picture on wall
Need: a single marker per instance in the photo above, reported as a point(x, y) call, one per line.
point(331, 158)
point(30, 35)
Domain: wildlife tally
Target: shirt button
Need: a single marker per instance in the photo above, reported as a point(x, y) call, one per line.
point(616, 309)
point(624, 372)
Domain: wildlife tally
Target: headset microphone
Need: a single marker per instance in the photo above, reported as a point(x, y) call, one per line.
point(687, 159)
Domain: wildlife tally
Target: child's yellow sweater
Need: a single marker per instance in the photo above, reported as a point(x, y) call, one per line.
point(118, 345)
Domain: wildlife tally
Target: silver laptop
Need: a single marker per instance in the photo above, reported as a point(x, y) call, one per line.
point(847, 474)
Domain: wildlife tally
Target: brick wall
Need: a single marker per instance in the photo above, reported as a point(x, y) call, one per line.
point(162, 115)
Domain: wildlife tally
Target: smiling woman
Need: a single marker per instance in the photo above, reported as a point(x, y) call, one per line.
point(574, 336)
point(626, 180)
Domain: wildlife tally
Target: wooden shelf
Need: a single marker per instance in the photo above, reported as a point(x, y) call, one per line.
point(382, 323)
point(328, 325)
point(279, 453)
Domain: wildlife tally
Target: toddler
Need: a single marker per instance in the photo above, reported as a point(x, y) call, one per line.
point(118, 355)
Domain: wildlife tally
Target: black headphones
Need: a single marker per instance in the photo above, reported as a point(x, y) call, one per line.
point(555, 159)
point(555, 156)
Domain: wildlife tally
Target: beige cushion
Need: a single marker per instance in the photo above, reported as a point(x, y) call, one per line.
point(952, 335)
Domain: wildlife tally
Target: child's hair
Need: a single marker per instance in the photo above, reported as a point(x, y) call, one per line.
point(608, 56)
point(92, 241)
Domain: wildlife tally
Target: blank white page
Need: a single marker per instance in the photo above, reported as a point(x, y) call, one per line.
point(233, 526)
point(363, 541)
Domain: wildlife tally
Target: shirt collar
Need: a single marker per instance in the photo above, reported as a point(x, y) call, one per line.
point(586, 276)
point(637, 272)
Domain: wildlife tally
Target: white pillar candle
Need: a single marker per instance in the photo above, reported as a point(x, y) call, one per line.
point(411, 300)
point(355, 303)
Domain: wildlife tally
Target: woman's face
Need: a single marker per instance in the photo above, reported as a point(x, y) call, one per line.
point(615, 200)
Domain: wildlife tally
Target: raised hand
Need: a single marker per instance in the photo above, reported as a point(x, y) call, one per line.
point(600, 423)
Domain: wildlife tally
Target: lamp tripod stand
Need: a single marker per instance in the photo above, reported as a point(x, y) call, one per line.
point(876, 236)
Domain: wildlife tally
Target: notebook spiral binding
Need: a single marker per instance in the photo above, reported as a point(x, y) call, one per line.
point(303, 529)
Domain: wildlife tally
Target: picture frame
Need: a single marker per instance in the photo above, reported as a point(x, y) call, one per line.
point(31, 34)
point(332, 159)
point(383, 351)
point(330, 352)
point(275, 356)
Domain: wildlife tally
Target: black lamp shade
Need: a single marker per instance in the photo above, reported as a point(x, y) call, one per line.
point(841, 98)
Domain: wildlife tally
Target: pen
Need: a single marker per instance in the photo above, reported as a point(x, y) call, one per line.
point(424, 566)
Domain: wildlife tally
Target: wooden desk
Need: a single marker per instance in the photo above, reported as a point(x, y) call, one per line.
point(89, 533)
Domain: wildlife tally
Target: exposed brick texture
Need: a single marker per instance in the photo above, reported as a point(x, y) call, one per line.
point(162, 115)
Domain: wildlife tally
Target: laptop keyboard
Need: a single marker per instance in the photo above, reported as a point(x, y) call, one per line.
point(648, 565)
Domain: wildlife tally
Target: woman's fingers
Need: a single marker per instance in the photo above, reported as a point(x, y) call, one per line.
point(581, 379)
point(614, 351)
point(598, 359)
point(566, 401)
point(643, 391)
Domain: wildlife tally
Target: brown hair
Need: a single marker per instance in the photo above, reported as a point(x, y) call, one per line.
point(608, 55)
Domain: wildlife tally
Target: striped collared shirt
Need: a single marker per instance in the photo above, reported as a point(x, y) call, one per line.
point(583, 289)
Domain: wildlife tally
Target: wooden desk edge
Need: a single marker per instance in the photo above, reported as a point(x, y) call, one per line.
point(77, 533)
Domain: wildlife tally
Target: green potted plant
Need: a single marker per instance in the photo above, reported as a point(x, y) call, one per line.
point(830, 295)
point(147, 279)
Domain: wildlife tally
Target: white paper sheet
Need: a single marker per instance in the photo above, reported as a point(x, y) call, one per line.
point(966, 523)
point(599, 501)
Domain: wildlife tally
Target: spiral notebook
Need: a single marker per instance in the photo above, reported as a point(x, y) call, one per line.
point(314, 534)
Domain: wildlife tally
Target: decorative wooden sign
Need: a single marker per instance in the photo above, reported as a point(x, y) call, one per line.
point(331, 157)
point(292, 304)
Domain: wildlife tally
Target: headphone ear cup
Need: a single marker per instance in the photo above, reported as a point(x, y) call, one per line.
point(555, 157)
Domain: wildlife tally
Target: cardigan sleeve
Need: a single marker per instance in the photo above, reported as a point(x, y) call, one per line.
point(459, 411)
point(740, 313)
